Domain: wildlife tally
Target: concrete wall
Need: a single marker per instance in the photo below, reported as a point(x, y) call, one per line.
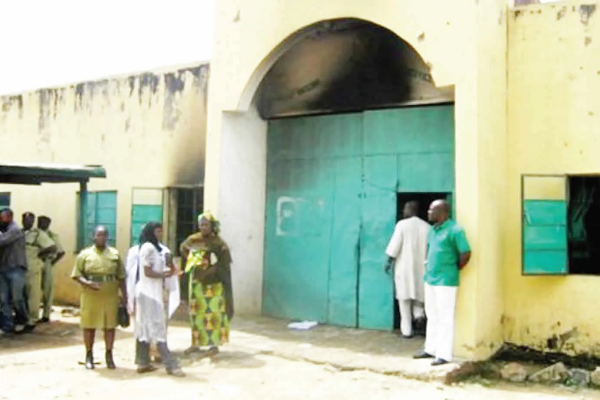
point(147, 130)
point(463, 42)
point(553, 126)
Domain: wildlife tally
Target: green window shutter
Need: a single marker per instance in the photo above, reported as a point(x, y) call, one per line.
point(544, 212)
point(106, 214)
point(4, 200)
point(101, 210)
point(147, 207)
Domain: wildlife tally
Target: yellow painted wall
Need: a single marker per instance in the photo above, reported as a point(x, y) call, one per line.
point(553, 127)
point(147, 130)
point(463, 41)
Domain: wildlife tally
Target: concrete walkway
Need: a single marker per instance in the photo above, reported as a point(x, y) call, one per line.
point(342, 349)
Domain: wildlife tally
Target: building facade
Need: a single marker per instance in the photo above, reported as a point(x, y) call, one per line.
point(325, 118)
point(147, 130)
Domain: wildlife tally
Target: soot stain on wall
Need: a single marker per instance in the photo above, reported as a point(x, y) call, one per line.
point(10, 102)
point(174, 85)
point(45, 97)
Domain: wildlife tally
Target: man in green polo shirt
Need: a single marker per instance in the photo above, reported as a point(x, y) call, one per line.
point(448, 252)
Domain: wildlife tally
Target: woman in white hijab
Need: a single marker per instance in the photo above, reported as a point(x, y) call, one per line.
point(149, 308)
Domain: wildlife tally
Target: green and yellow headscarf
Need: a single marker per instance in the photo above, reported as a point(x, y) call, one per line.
point(208, 216)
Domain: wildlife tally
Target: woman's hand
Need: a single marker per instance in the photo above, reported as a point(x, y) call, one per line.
point(168, 274)
point(95, 286)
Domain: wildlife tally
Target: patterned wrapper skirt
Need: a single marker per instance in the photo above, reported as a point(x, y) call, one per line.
point(208, 317)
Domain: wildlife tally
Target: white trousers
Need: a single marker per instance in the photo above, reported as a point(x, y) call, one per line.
point(409, 311)
point(440, 304)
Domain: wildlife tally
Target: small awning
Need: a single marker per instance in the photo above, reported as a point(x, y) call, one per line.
point(36, 174)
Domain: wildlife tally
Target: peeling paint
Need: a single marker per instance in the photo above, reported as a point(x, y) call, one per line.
point(586, 11)
point(517, 14)
point(561, 13)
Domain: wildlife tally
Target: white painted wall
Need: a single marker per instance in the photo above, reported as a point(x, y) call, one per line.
point(242, 203)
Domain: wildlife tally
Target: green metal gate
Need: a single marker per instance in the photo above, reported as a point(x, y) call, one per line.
point(332, 183)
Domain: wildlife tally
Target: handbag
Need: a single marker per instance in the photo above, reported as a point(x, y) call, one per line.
point(123, 316)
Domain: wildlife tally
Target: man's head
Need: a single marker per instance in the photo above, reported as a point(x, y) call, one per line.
point(6, 217)
point(100, 237)
point(28, 220)
point(411, 209)
point(439, 211)
point(44, 222)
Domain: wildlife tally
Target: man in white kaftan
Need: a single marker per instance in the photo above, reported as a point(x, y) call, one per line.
point(407, 251)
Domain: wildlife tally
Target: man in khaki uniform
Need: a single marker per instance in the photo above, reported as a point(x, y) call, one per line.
point(37, 246)
point(48, 272)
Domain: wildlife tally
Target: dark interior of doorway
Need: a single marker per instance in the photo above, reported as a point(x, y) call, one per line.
point(424, 200)
point(584, 225)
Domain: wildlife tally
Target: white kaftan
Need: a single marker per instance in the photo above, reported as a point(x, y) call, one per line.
point(150, 318)
point(171, 283)
point(409, 247)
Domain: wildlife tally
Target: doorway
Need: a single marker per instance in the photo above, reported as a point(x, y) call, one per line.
point(424, 200)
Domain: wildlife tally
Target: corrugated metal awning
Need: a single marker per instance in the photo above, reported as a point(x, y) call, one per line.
point(36, 174)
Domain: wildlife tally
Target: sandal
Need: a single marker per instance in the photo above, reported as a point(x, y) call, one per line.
point(148, 368)
point(213, 351)
point(176, 372)
point(192, 350)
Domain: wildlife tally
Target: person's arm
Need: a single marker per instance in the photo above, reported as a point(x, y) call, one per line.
point(223, 266)
point(393, 248)
point(47, 245)
point(173, 268)
point(146, 253)
point(10, 236)
point(58, 257)
point(462, 245)
point(60, 252)
point(121, 276)
point(78, 276)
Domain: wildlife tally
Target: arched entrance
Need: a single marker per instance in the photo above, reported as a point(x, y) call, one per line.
point(356, 126)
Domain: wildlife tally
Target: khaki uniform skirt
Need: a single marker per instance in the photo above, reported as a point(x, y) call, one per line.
point(99, 309)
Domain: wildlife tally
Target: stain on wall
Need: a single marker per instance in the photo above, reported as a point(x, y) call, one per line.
point(554, 90)
point(147, 130)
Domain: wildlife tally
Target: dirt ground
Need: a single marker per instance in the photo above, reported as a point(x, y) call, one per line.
point(45, 365)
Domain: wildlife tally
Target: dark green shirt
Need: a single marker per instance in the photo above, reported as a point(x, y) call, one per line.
point(445, 244)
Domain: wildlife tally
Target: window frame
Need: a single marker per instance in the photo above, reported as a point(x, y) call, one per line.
point(565, 177)
point(163, 206)
point(113, 237)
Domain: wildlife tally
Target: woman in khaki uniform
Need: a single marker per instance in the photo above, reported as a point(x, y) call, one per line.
point(100, 272)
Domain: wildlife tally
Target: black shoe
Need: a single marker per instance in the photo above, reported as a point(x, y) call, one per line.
point(44, 320)
point(89, 360)
point(438, 361)
point(28, 329)
point(422, 355)
point(110, 363)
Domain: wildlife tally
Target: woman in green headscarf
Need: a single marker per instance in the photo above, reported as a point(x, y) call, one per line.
point(208, 267)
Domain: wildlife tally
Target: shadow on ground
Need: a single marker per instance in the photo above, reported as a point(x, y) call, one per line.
point(58, 333)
